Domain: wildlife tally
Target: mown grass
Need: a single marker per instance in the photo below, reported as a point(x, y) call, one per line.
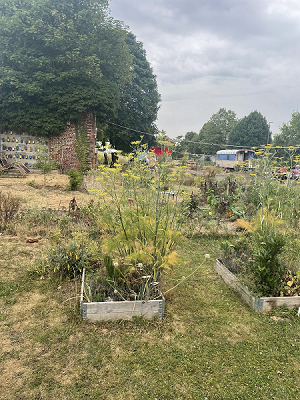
point(210, 345)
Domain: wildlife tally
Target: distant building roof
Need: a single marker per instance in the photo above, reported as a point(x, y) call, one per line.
point(231, 151)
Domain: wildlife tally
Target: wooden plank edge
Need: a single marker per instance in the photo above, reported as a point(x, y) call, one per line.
point(258, 304)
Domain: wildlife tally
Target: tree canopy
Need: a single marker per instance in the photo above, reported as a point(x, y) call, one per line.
point(225, 121)
point(139, 102)
point(216, 130)
point(252, 130)
point(289, 133)
point(60, 59)
point(211, 133)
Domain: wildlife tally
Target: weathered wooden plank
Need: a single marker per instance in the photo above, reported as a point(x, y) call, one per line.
point(122, 306)
point(270, 302)
point(121, 315)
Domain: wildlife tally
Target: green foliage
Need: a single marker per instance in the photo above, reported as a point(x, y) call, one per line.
point(190, 205)
point(184, 160)
point(290, 284)
point(225, 121)
point(9, 209)
point(139, 99)
point(110, 269)
point(267, 268)
point(289, 136)
point(46, 164)
point(210, 133)
point(252, 195)
point(75, 178)
point(67, 260)
point(140, 217)
point(216, 130)
point(58, 60)
point(252, 130)
point(220, 196)
point(193, 148)
point(82, 148)
point(290, 132)
point(31, 183)
point(121, 281)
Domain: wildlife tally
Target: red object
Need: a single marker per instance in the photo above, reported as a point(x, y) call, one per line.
point(161, 151)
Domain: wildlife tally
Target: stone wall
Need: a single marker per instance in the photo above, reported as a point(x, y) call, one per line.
point(22, 147)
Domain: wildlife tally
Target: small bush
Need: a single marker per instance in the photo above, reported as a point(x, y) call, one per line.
point(268, 269)
point(75, 178)
point(67, 260)
point(189, 180)
point(184, 160)
point(31, 183)
point(9, 208)
point(190, 205)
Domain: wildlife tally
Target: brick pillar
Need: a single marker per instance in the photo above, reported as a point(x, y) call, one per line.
point(62, 147)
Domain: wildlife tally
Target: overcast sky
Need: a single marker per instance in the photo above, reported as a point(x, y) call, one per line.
point(211, 54)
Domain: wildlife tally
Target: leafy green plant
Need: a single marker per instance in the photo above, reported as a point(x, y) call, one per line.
point(82, 148)
point(290, 284)
point(46, 165)
point(75, 178)
point(31, 183)
point(184, 160)
point(190, 205)
point(267, 268)
point(112, 272)
point(139, 223)
point(67, 260)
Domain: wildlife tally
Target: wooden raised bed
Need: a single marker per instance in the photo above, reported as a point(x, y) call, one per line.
point(259, 304)
point(114, 310)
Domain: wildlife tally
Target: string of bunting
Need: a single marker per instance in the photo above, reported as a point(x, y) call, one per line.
point(210, 144)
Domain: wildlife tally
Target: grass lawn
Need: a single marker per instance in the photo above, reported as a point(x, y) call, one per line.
point(210, 345)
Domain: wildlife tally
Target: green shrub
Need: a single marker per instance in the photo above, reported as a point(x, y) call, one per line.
point(108, 264)
point(75, 178)
point(184, 160)
point(189, 180)
point(267, 268)
point(67, 260)
point(31, 183)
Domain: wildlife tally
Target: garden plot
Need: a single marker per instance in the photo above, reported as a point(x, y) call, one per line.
point(258, 304)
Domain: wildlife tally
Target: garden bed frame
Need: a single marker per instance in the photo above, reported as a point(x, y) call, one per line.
point(114, 310)
point(259, 304)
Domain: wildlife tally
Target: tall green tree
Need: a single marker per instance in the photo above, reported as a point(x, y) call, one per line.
point(289, 132)
point(225, 121)
point(252, 130)
point(139, 102)
point(186, 144)
point(215, 131)
point(58, 60)
point(211, 133)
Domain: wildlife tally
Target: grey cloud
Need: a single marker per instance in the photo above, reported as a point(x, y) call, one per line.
point(209, 54)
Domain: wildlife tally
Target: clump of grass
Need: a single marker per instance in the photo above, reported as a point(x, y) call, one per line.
point(9, 209)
